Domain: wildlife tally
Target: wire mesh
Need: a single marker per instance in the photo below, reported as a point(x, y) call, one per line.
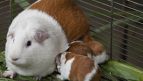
point(8, 10)
point(4, 21)
point(126, 35)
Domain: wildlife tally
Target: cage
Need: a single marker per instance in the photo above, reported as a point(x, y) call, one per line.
point(115, 23)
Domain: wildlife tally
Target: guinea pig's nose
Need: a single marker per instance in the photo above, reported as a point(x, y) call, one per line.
point(15, 59)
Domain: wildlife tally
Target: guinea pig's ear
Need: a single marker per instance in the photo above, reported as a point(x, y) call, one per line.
point(11, 35)
point(41, 36)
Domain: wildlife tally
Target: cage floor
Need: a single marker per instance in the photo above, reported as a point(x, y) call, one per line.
point(112, 71)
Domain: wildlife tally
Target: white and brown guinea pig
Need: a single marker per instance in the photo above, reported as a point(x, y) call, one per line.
point(79, 47)
point(93, 50)
point(76, 67)
point(97, 47)
point(39, 33)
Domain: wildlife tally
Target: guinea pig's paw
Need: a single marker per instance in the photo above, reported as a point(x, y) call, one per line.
point(60, 77)
point(38, 78)
point(9, 74)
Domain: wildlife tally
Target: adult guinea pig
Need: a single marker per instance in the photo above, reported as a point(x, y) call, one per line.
point(76, 67)
point(92, 49)
point(39, 33)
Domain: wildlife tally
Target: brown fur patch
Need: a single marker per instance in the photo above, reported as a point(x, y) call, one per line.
point(96, 46)
point(68, 56)
point(81, 66)
point(97, 77)
point(68, 14)
point(80, 48)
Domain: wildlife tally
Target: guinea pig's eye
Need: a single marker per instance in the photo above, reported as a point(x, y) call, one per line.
point(13, 40)
point(28, 43)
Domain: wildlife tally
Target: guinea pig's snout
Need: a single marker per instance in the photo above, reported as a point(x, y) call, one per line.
point(18, 61)
point(14, 58)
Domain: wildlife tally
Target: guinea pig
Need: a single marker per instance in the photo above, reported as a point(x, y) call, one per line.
point(79, 47)
point(97, 48)
point(83, 48)
point(39, 33)
point(76, 67)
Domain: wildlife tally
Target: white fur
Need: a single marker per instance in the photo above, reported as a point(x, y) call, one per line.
point(34, 3)
point(65, 67)
point(37, 1)
point(76, 42)
point(90, 55)
point(38, 59)
point(90, 75)
point(101, 58)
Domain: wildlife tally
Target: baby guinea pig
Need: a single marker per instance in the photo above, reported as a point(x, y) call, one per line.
point(90, 49)
point(76, 67)
point(96, 46)
point(79, 47)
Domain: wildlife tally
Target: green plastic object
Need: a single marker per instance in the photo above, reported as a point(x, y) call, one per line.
point(123, 70)
point(22, 3)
